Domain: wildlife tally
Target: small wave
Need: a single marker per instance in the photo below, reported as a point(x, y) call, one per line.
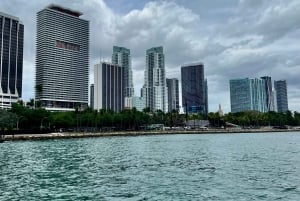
point(124, 195)
point(207, 168)
point(290, 188)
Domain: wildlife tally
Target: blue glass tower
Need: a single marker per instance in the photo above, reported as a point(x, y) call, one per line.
point(281, 95)
point(248, 94)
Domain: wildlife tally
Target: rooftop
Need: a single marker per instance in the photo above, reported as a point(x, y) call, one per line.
point(65, 10)
point(10, 16)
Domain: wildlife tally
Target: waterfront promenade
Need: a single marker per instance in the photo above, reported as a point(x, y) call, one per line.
point(65, 135)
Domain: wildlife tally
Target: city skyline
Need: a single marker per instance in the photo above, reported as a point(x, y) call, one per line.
point(246, 51)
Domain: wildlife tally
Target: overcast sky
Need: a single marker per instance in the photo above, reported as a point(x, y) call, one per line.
point(234, 39)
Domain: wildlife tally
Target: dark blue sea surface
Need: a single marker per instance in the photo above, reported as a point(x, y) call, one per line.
point(167, 167)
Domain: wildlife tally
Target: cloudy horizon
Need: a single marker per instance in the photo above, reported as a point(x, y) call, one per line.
point(235, 39)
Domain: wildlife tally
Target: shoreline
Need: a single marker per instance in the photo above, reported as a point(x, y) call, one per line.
point(68, 135)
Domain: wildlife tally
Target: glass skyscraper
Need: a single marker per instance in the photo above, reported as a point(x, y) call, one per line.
point(11, 59)
point(155, 90)
point(62, 59)
point(281, 94)
point(248, 94)
point(173, 94)
point(269, 93)
point(121, 56)
point(194, 88)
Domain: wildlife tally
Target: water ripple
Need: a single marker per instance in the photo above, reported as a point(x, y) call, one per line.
point(179, 167)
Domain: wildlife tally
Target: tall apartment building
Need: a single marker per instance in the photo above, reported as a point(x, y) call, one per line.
point(155, 90)
point(173, 94)
point(194, 88)
point(92, 96)
point(281, 94)
point(62, 59)
point(121, 56)
point(108, 87)
point(248, 94)
point(11, 59)
point(268, 89)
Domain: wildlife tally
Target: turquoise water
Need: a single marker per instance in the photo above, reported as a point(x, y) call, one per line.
point(167, 167)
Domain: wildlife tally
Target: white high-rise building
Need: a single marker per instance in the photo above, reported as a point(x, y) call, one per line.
point(274, 101)
point(121, 56)
point(155, 90)
point(62, 59)
point(108, 87)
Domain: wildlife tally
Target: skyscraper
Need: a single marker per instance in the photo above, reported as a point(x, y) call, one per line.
point(154, 90)
point(11, 59)
point(121, 56)
point(92, 96)
point(194, 88)
point(268, 89)
point(108, 87)
point(281, 94)
point(62, 59)
point(173, 94)
point(248, 94)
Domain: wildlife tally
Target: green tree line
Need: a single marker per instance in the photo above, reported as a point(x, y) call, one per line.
point(21, 117)
point(256, 119)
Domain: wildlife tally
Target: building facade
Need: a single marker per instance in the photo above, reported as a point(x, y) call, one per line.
point(269, 90)
point(173, 94)
point(108, 87)
point(281, 95)
point(11, 59)
point(62, 59)
point(135, 102)
point(92, 96)
point(248, 94)
point(274, 99)
point(121, 56)
point(155, 90)
point(194, 88)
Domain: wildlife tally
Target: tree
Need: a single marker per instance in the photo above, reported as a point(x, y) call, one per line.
point(38, 90)
point(30, 103)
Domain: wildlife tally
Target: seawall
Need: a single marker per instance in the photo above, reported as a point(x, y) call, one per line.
point(66, 135)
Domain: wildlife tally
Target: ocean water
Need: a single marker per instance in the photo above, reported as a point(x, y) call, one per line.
point(167, 167)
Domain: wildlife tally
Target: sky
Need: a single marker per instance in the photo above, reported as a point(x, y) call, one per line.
point(234, 39)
